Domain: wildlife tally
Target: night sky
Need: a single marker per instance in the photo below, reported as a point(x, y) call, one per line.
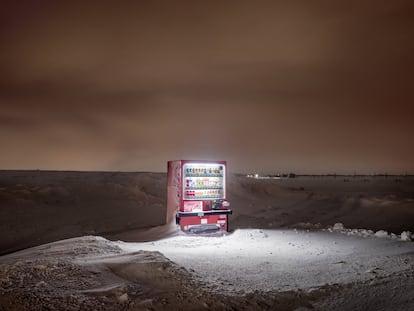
point(277, 86)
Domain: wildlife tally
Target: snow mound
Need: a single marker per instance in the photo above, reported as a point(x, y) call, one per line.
point(90, 273)
point(366, 233)
point(406, 236)
point(338, 226)
point(59, 276)
point(381, 234)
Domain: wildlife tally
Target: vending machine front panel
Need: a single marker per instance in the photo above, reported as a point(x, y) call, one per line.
point(197, 195)
point(204, 181)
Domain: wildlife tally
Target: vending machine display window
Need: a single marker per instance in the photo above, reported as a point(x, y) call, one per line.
point(203, 181)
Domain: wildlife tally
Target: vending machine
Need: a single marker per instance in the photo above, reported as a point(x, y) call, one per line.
point(196, 195)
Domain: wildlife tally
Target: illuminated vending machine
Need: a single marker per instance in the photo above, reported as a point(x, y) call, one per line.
point(197, 195)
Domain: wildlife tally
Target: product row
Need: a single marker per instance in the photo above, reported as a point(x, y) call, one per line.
point(203, 182)
point(214, 193)
point(204, 170)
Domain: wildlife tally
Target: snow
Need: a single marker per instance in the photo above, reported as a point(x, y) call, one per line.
point(249, 260)
point(332, 246)
point(381, 234)
point(339, 227)
point(97, 271)
point(406, 236)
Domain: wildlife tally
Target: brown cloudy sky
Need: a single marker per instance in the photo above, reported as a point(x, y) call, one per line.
point(303, 86)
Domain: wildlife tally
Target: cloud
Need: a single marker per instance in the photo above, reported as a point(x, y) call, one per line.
point(114, 86)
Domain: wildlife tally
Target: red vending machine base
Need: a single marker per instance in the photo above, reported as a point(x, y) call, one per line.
point(203, 222)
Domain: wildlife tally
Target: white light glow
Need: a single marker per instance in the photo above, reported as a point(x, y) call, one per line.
point(269, 259)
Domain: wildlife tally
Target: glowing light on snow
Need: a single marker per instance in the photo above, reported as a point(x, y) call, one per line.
point(249, 256)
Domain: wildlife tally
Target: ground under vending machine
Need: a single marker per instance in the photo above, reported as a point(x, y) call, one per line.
point(197, 195)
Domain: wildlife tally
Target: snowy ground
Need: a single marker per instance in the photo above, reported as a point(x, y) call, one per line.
point(250, 268)
point(249, 260)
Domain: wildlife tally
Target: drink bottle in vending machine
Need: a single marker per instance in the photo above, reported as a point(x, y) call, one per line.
point(196, 195)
